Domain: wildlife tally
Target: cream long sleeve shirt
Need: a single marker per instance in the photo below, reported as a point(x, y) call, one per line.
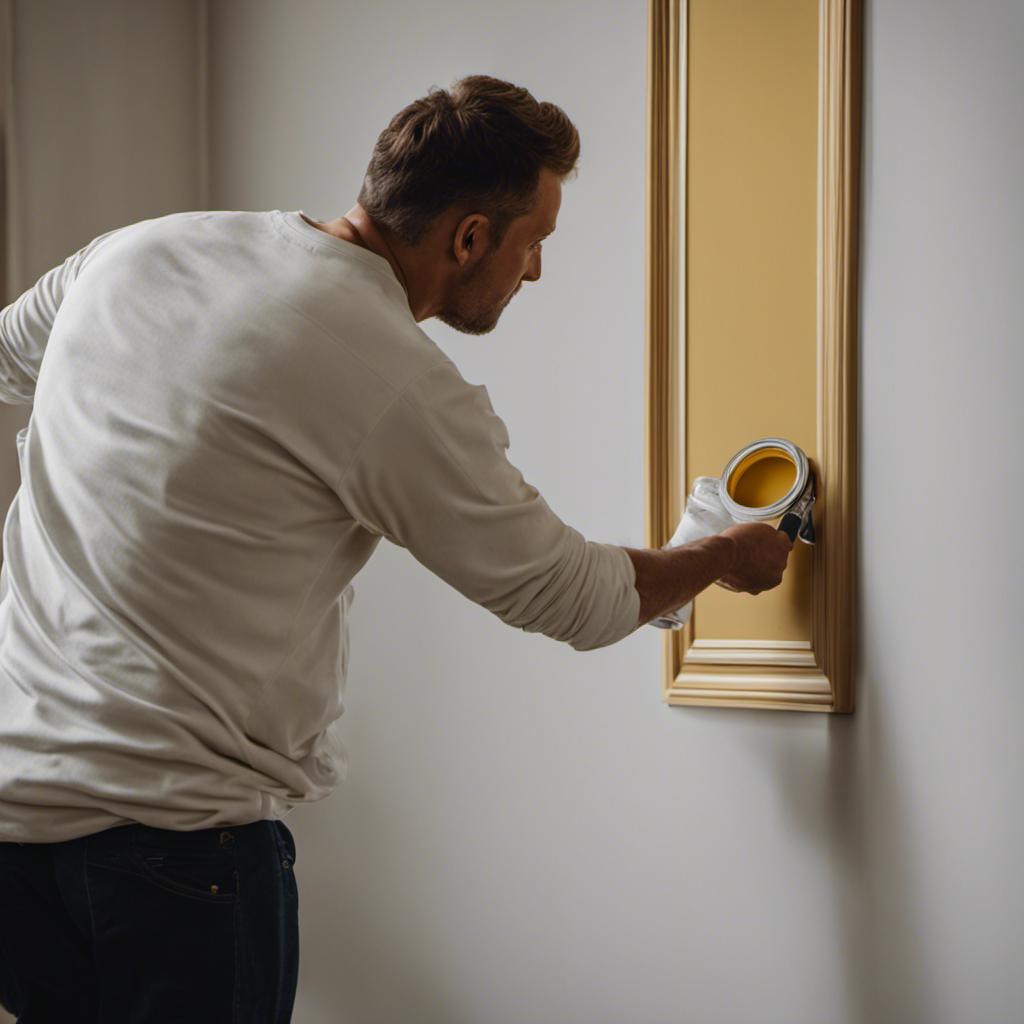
point(229, 411)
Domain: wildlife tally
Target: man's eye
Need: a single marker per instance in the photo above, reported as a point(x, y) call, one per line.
point(536, 247)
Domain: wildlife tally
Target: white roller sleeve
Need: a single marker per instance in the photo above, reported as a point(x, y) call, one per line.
point(704, 516)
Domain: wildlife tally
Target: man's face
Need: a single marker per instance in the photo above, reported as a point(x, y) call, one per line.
point(488, 288)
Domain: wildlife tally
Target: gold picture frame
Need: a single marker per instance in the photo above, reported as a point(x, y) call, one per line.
point(812, 672)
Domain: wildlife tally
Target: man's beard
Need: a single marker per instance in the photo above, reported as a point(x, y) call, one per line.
point(478, 315)
point(482, 322)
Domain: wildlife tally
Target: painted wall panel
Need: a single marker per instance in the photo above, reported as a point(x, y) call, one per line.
point(751, 266)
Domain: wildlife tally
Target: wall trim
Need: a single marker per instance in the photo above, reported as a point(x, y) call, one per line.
point(760, 672)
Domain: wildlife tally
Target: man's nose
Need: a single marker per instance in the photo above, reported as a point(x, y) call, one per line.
point(533, 268)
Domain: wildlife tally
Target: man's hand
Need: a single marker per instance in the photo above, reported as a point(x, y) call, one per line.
point(750, 557)
point(761, 556)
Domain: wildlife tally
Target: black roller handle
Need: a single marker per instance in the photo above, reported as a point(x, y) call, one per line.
point(790, 525)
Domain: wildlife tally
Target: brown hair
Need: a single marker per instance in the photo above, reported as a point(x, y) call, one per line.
point(482, 145)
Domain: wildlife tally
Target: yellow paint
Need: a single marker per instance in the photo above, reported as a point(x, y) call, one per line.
point(751, 293)
point(762, 479)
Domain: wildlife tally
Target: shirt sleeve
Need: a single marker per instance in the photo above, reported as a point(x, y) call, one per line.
point(433, 477)
point(26, 323)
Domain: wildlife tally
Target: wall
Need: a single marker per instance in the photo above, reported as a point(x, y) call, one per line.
point(937, 745)
point(102, 128)
point(103, 125)
point(528, 835)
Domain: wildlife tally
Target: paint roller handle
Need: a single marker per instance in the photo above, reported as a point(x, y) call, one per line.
point(790, 525)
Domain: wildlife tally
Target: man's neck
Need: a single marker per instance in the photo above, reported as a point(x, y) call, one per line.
point(358, 227)
point(422, 270)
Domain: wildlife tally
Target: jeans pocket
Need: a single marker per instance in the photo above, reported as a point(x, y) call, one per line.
point(285, 843)
point(198, 864)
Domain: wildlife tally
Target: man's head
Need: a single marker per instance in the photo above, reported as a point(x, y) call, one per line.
point(484, 163)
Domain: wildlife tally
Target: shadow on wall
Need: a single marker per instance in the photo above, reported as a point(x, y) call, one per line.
point(361, 943)
point(848, 801)
point(851, 800)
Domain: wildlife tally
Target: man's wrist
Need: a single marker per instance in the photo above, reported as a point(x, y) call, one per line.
point(667, 579)
point(732, 552)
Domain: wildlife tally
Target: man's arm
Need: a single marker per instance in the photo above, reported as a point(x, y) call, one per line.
point(26, 323)
point(433, 476)
point(750, 558)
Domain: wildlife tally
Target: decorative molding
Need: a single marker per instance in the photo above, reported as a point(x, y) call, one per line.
point(762, 673)
point(665, 278)
point(666, 164)
point(776, 653)
point(839, 90)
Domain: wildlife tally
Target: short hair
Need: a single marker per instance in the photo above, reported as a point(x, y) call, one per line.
point(481, 145)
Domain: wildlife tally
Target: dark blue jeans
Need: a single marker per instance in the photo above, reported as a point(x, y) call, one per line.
point(139, 925)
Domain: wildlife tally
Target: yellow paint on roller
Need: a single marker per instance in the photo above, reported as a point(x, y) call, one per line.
point(762, 478)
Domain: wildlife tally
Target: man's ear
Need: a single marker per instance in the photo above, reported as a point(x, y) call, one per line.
point(472, 238)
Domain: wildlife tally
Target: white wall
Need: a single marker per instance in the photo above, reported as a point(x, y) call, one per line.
point(528, 835)
point(937, 753)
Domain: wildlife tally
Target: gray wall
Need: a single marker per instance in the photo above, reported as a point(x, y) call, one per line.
point(529, 835)
point(102, 127)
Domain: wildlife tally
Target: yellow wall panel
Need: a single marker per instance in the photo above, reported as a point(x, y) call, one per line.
point(753, 168)
point(751, 265)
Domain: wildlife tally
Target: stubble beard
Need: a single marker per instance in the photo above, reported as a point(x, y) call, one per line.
point(481, 323)
point(478, 314)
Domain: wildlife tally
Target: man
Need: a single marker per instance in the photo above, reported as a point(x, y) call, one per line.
point(229, 411)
